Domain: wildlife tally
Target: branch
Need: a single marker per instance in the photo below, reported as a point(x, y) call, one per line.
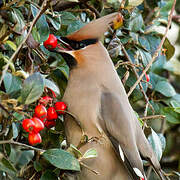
point(43, 8)
point(137, 76)
point(61, 6)
point(11, 141)
point(157, 50)
point(153, 117)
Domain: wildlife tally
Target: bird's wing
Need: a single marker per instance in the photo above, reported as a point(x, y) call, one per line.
point(126, 134)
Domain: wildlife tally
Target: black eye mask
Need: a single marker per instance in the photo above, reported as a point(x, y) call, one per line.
point(76, 45)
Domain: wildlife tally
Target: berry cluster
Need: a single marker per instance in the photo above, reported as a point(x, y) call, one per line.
point(43, 117)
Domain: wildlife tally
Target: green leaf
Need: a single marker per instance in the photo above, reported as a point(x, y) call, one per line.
point(62, 159)
point(67, 18)
point(163, 141)
point(171, 116)
point(51, 85)
point(7, 166)
point(12, 83)
point(155, 143)
point(55, 21)
point(158, 65)
point(20, 24)
point(11, 45)
point(41, 24)
point(74, 26)
point(175, 103)
point(49, 175)
point(37, 166)
point(170, 49)
point(145, 57)
point(165, 88)
point(136, 22)
point(15, 130)
point(177, 109)
point(90, 153)
point(33, 88)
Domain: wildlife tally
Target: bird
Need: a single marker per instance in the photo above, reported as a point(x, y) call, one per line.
point(96, 96)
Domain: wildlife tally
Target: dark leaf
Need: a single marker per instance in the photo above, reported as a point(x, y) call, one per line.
point(170, 49)
point(33, 88)
point(136, 22)
point(171, 115)
point(41, 25)
point(51, 85)
point(74, 26)
point(7, 166)
point(62, 159)
point(12, 83)
point(55, 21)
point(165, 88)
point(48, 175)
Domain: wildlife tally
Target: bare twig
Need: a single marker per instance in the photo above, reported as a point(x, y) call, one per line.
point(92, 9)
point(42, 10)
point(137, 76)
point(153, 117)
point(119, 63)
point(11, 141)
point(156, 52)
point(87, 167)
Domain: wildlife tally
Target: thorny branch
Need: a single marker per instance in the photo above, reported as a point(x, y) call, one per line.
point(157, 50)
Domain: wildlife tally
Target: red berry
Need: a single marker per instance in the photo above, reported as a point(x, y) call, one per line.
point(43, 119)
point(40, 111)
point(38, 125)
point(51, 42)
point(34, 138)
point(50, 124)
point(60, 107)
point(51, 114)
point(28, 125)
point(147, 77)
point(45, 100)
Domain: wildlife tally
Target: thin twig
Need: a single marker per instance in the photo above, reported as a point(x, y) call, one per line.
point(42, 10)
point(119, 63)
point(156, 52)
point(87, 167)
point(137, 76)
point(11, 141)
point(153, 117)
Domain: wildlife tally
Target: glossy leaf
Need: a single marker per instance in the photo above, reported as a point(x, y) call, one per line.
point(171, 116)
point(61, 159)
point(51, 85)
point(7, 166)
point(165, 88)
point(33, 88)
point(41, 25)
point(12, 83)
point(156, 144)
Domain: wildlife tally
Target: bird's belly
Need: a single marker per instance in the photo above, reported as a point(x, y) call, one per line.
point(106, 164)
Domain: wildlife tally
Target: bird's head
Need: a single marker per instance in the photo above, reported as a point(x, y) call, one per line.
point(88, 34)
